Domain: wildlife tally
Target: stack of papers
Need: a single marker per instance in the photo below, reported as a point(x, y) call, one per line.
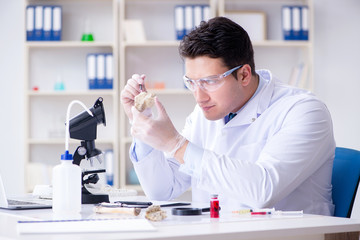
point(84, 225)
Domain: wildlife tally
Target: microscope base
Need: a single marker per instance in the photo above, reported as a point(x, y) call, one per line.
point(93, 199)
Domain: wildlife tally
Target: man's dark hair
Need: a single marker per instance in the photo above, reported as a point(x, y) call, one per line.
point(219, 38)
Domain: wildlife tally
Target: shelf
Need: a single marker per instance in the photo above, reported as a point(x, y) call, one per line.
point(281, 43)
point(133, 186)
point(152, 44)
point(67, 44)
point(62, 141)
point(71, 93)
point(266, 43)
point(126, 140)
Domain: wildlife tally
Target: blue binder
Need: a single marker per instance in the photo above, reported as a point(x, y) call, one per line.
point(296, 22)
point(38, 23)
point(189, 18)
point(304, 32)
point(91, 70)
point(198, 14)
point(47, 16)
point(206, 12)
point(56, 23)
point(109, 73)
point(100, 71)
point(179, 21)
point(286, 22)
point(30, 23)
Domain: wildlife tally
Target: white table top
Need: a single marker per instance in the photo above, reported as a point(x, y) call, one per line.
point(228, 226)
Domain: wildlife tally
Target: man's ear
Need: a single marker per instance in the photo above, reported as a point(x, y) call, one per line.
point(244, 75)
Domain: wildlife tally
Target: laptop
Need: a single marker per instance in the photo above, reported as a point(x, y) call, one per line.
point(21, 203)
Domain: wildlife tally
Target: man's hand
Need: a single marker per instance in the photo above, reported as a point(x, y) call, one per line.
point(157, 132)
point(130, 91)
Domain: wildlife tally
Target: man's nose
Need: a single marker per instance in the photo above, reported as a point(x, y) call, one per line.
point(200, 95)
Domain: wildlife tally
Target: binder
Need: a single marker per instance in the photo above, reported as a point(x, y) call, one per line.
point(38, 23)
point(206, 12)
point(91, 70)
point(100, 71)
point(179, 22)
point(30, 23)
point(304, 23)
point(56, 23)
point(189, 19)
point(286, 22)
point(47, 23)
point(109, 73)
point(198, 14)
point(296, 23)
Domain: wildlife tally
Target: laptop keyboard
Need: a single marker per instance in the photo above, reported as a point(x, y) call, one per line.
point(16, 202)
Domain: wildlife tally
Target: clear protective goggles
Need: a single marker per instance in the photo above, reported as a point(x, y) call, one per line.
point(210, 83)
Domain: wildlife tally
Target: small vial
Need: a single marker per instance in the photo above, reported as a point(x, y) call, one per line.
point(214, 206)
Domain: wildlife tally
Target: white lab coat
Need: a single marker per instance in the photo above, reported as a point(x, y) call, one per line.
point(277, 152)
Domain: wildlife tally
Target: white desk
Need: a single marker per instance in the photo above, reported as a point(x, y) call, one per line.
point(229, 226)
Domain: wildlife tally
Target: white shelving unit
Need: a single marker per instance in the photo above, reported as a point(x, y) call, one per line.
point(46, 61)
point(274, 53)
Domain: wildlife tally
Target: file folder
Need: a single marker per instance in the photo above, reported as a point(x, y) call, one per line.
point(189, 19)
point(56, 23)
point(179, 22)
point(109, 73)
point(38, 23)
point(47, 23)
point(91, 70)
point(286, 22)
point(296, 23)
point(198, 15)
point(100, 71)
point(304, 23)
point(30, 23)
point(206, 12)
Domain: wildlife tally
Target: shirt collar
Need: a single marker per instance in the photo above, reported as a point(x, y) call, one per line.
point(258, 103)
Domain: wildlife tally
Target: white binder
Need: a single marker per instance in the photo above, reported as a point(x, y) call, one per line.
point(179, 22)
point(198, 15)
point(56, 23)
point(109, 73)
point(39, 23)
point(30, 23)
point(91, 70)
point(47, 23)
point(100, 71)
point(189, 19)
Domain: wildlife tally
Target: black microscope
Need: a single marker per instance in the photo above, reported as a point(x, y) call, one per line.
point(83, 127)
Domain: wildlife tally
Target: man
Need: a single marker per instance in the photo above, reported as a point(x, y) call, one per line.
point(253, 140)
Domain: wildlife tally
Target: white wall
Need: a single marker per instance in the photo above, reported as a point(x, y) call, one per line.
point(337, 52)
point(11, 95)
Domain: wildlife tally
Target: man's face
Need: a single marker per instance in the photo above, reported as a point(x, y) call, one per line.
point(227, 98)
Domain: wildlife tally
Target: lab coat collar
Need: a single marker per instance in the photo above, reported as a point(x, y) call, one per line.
point(257, 104)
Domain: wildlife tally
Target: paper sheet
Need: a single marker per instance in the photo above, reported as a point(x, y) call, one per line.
point(84, 225)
